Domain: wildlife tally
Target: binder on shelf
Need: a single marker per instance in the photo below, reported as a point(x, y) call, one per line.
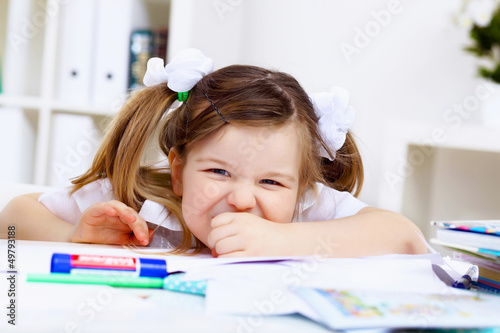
point(74, 142)
point(17, 144)
point(76, 41)
point(115, 21)
point(22, 71)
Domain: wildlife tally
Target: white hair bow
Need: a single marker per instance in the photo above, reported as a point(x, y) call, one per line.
point(335, 117)
point(184, 70)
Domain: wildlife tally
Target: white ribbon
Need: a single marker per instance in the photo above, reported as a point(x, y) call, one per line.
point(335, 117)
point(184, 70)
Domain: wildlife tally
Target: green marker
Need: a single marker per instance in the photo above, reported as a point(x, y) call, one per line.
point(114, 281)
point(172, 282)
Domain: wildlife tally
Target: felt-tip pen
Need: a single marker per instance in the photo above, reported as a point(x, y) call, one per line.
point(465, 281)
point(173, 282)
point(108, 265)
point(114, 281)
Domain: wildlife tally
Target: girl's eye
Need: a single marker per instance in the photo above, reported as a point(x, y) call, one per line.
point(269, 182)
point(220, 172)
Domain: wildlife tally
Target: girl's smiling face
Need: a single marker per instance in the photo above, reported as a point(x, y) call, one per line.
point(239, 169)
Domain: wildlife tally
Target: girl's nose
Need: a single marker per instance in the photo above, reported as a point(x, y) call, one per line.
point(241, 198)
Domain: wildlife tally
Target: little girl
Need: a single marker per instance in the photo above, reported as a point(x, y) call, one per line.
point(248, 152)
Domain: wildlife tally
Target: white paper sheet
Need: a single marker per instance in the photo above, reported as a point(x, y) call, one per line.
point(265, 288)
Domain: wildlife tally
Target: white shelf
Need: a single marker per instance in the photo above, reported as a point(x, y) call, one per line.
point(23, 102)
point(31, 72)
point(35, 103)
point(81, 109)
point(441, 172)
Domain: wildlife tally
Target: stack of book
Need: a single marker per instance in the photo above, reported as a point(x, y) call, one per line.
point(477, 242)
point(145, 44)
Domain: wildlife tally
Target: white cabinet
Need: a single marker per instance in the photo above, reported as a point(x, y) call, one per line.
point(65, 68)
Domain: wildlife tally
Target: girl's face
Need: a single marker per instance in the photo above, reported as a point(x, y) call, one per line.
point(239, 169)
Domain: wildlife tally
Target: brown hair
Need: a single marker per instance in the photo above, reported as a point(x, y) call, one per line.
point(244, 95)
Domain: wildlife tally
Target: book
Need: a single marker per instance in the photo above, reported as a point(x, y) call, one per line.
point(160, 39)
point(486, 253)
point(0, 76)
point(141, 49)
point(477, 242)
point(355, 309)
point(145, 44)
point(479, 226)
point(480, 234)
point(489, 276)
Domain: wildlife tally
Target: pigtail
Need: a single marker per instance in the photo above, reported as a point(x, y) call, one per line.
point(119, 156)
point(345, 172)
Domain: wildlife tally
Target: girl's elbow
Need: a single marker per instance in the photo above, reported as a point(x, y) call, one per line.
point(416, 246)
point(416, 242)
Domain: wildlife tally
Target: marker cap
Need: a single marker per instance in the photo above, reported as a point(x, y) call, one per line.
point(60, 263)
point(153, 267)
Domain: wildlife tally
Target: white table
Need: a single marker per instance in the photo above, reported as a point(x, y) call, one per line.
point(50, 307)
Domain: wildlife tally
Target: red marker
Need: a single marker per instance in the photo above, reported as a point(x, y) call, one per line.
point(90, 263)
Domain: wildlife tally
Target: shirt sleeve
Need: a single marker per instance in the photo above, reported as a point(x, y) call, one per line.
point(70, 207)
point(329, 204)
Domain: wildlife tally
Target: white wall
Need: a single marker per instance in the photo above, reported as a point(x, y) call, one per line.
point(412, 68)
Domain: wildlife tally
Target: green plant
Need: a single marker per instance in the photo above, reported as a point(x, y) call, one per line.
point(486, 44)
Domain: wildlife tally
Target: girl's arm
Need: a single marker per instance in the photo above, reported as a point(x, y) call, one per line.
point(33, 220)
point(371, 231)
point(109, 222)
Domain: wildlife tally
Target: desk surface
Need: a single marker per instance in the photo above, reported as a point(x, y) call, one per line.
point(47, 307)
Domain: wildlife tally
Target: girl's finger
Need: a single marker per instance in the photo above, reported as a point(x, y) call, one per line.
point(235, 254)
point(101, 208)
point(229, 245)
point(221, 232)
point(123, 211)
point(131, 218)
point(222, 219)
point(140, 230)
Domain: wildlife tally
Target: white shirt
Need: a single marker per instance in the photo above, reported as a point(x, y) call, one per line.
point(330, 204)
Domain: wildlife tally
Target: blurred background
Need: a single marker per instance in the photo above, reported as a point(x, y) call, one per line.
point(427, 125)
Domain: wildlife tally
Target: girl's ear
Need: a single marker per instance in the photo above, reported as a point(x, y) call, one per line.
point(175, 171)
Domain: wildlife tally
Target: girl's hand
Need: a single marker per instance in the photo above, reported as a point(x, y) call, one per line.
point(247, 235)
point(111, 222)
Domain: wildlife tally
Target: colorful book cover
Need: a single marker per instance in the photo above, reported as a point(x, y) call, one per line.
point(145, 44)
point(349, 309)
point(141, 49)
point(491, 227)
point(160, 41)
point(472, 250)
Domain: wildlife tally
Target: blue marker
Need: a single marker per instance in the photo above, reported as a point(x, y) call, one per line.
point(108, 265)
point(465, 281)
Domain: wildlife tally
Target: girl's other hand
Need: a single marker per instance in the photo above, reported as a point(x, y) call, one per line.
point(247, 235)
point(111, 222)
